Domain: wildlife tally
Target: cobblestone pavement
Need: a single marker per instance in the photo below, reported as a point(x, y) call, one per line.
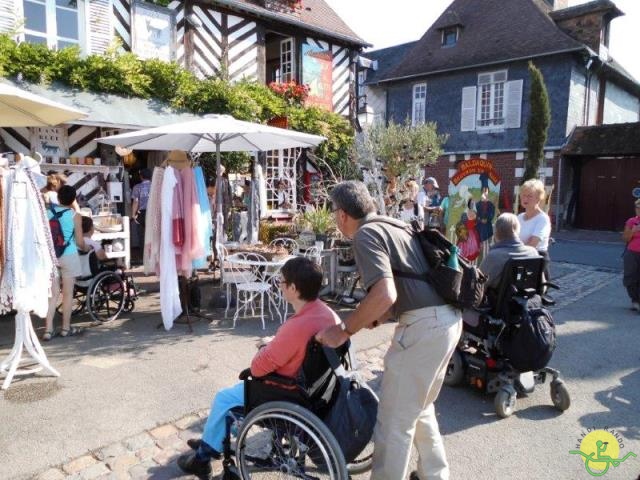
point(151, 454)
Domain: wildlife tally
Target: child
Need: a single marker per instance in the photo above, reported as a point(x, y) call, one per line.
point(87, 233)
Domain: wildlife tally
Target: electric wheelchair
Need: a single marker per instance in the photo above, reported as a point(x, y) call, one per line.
point(102, 292)
point(279, 431)
point(481, 359)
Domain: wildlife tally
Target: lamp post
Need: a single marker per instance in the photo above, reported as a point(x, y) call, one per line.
point(365, 116)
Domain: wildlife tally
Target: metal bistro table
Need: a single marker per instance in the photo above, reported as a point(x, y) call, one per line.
point(269, 268)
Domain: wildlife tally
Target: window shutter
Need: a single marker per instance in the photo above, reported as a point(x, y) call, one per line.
point(468, 113)
point(100, 26)
point(513, 111)
point(7, 15)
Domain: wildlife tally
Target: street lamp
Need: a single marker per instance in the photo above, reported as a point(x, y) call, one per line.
point(365, 116)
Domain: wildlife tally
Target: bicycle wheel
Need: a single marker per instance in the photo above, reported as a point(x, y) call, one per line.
point(283, 440)
point(106, 297)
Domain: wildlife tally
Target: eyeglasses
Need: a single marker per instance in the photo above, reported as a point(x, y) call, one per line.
point(334, 210)
point(281, 281)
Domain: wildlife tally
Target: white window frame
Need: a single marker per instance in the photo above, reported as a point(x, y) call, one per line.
point(287, 46)
point(488, 112)
point(419, 104)
point(51, 34)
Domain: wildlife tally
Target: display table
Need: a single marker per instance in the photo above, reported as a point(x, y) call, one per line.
point(122, 235)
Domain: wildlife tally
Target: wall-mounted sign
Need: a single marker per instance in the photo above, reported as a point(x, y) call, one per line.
point(51, 142)
point(317, 73)
point(153, 31)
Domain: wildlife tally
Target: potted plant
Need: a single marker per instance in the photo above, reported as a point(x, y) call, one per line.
point(320, 220)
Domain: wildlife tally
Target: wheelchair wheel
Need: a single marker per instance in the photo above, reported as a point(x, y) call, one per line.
point(106, 297)
point(560, 395)
point(505, 402)
point(363, 462)
point(79, 302)
point(284, 440)
point(455, 370)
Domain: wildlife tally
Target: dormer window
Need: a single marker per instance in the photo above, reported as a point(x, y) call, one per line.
point(449, 36)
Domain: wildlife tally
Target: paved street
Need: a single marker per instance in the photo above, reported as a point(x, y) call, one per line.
point(130, 395)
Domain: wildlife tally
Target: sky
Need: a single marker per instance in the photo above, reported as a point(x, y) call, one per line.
point(384, 23)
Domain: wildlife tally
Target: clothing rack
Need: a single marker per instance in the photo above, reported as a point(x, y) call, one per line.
point(185, 285)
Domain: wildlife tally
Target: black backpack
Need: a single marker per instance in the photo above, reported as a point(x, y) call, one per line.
point(529, 339)
point(57, 235)
point(462, 289)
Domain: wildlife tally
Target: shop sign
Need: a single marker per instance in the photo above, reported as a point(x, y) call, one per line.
point(153, 31)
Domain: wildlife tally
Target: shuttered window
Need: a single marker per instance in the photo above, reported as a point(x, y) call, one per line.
point(55, 23)
point(494, 104)
point(419, 103)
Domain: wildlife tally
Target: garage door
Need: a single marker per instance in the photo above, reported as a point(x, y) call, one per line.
point(606, 199)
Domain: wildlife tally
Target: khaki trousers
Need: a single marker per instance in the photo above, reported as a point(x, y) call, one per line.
point(414, 368)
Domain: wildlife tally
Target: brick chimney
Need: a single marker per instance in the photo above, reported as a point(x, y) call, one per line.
point(587, 22)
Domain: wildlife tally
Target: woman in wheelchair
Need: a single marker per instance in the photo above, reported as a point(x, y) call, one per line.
point(87, 233)
point(300, 281)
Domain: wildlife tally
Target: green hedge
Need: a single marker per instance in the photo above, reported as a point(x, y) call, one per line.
point(123, 73)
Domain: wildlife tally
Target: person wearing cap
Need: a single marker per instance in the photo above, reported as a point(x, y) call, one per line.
point(631, 257)
point(430, 199)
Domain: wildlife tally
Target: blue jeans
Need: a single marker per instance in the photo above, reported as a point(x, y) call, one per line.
point(225, 400)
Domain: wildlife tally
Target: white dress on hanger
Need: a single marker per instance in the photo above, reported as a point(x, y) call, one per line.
point(169, 290)
point(30, 265)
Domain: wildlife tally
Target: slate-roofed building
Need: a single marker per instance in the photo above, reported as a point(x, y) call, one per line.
point(469, 74)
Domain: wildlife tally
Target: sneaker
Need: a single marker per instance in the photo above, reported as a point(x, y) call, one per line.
point(188, 463)
point(635, 306)
point(414, 476)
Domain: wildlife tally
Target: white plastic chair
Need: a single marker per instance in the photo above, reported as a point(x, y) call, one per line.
point(249, 291)
point(230, 277)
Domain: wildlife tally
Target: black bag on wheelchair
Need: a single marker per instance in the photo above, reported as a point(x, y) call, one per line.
point(529, 338)
point(353, 412)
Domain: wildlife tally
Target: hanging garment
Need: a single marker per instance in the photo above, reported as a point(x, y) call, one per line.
point(192, 246)
point(169, 292)
point(153, 221)
point(30, 264)
point(177, 214)
point(2, 218)
point(205, 223)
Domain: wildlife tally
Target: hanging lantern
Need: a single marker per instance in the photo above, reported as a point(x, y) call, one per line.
point(129, 160)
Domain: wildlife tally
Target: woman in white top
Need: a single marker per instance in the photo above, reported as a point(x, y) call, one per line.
point(410, 211)
point(535, 225)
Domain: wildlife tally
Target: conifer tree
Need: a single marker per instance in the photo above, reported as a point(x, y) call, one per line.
point(538, 125)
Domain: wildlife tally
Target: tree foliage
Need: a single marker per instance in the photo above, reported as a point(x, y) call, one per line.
point(403, 149)
point(123, 73)
point(538, 125)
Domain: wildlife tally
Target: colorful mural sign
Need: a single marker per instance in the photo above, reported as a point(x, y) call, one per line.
point(474, 191)
point(317, 73)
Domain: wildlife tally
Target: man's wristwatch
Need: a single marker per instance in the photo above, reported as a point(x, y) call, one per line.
point(343, 327)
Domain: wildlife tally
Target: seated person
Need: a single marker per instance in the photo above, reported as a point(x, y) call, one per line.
point(507, 246)
point(87, 233)
point(300, 281)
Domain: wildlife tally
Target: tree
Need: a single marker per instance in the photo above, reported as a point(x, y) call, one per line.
point(399, 150)
point(538, 125)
